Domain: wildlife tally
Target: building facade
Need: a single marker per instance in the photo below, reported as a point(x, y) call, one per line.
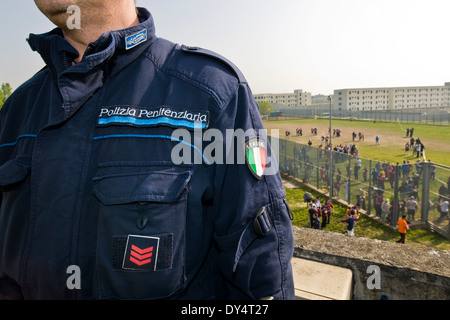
point(397, 98)
point(297, 98)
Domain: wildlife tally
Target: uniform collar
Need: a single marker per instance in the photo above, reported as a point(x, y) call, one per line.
point(58, 54)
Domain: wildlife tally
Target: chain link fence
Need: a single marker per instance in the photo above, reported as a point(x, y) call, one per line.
point(419, 190)
point(438, 117)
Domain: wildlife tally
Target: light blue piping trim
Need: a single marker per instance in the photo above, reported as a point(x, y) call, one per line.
point(17, 140)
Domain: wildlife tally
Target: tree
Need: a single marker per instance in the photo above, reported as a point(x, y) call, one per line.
point(265, 107)
point(5, 92)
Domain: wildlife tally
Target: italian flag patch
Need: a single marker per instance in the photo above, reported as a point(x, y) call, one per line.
point(256, 156)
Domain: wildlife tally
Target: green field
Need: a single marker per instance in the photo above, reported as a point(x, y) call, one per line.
point(392, 137)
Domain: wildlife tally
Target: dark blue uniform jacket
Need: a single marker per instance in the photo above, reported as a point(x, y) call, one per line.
point(93, 204)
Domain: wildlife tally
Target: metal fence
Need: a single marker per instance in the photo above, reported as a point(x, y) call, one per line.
point(439, 117)
point(382, 189)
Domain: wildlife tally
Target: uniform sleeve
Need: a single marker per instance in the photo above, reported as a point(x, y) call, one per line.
point(253, 229)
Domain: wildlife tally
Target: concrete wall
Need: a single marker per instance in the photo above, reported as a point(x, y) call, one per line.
point(381, 269)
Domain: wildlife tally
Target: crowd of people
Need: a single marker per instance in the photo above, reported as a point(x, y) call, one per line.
point(320, 213)
point(345, 150)
point(360, 136)
point(414, 146)
point(315, 132)
point(336, 133)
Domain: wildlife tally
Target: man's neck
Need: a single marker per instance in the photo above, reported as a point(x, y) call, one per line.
point(94, 25)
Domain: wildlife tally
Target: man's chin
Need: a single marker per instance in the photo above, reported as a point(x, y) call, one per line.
point(53, 8)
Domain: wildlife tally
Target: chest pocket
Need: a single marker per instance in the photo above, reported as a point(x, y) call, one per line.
point(141, 231)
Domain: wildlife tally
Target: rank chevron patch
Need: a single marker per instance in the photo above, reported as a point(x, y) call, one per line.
point(141, 253)
point(141, 256)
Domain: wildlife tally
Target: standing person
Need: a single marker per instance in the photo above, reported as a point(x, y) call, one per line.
point(325, 213)
point(385, 207)
point(365, 171)
point(350, 224)
point(418, 148)
point(337, 187)
point(411, 207)
point(331, 207)
point(374, 175)
point(377, 140)
point(315, 222)
point(433, 170)
point(443, 208)
point(358, 164)
point(311, 211)
point(402, 228)
point(405, 169)
point(418, 167)
point(361, 198)
point(89, 177)
point(317, 204)
point(377, 200)
point(407, 148)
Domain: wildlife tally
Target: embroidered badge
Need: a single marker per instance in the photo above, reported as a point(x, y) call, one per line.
point(141, 253)
point(256, 156)
point(135, 39)
point(160, 116)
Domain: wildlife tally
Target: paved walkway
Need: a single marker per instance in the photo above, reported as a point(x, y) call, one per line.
point(319, 281)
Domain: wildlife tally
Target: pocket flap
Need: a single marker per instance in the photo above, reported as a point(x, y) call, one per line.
point(141, 187)
point(12, 172)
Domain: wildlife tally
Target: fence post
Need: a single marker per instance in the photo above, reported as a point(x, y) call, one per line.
point(331, 173)
point(425, 191)
point(395, 208)
point(349, 179)
point(369, 193)
point(317, 169)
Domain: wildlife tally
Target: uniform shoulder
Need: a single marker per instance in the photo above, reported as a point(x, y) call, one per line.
point(24, 91)
point(36, 79)
point(214, 56)
point(203, 68)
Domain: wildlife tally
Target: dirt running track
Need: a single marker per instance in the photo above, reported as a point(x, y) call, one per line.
point(393, 138)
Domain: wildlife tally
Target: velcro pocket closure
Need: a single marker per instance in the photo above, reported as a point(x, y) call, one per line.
point(140, 187)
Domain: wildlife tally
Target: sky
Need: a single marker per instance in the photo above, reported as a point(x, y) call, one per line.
point(280, 46)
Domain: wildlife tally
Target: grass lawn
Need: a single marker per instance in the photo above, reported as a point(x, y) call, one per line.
point(392, 137)
point(365, 227)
